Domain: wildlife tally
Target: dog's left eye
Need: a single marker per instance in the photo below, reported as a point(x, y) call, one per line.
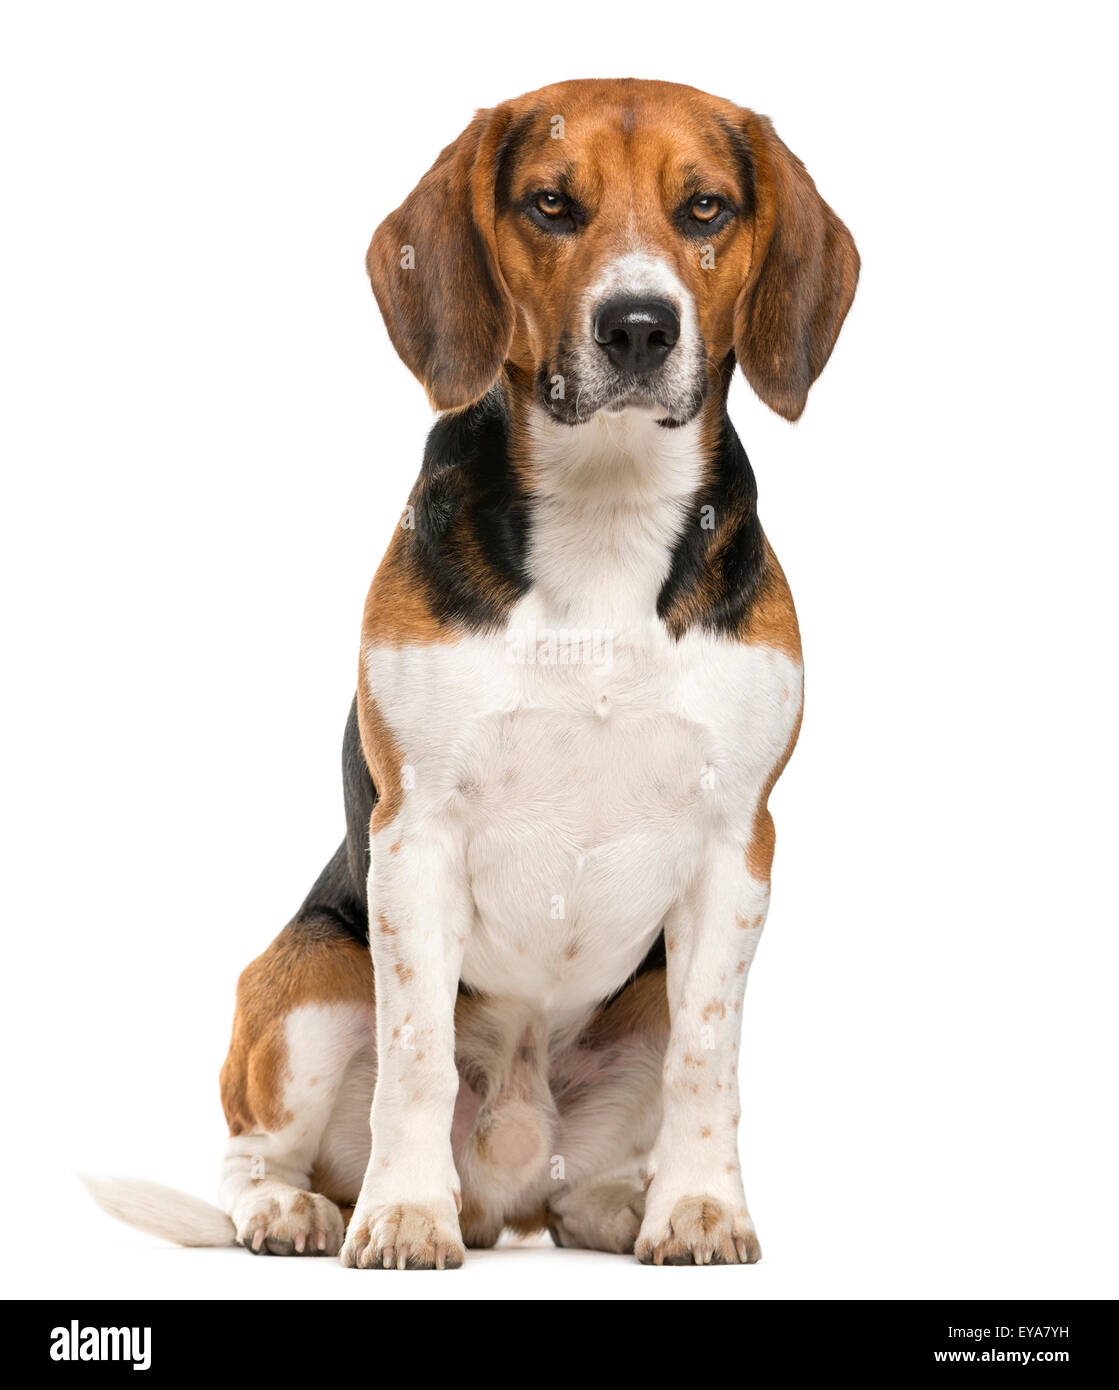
point(703, 216)
point(706, 209)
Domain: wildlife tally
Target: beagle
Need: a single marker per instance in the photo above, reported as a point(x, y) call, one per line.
point(512, 1000)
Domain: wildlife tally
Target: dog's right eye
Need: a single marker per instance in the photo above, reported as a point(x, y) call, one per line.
point(551, 204)
point(551, 211)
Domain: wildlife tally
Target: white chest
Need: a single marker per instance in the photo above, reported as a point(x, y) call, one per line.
point(589, 783)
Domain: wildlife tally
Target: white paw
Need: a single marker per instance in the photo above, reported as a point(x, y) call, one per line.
point(699, 1231)
point(404, 1235)
point(282, 1220)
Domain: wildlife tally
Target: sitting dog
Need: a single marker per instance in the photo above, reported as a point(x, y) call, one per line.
point(513, 997)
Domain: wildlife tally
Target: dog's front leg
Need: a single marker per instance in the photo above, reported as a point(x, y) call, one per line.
point(695, 1209)
point(419, 915)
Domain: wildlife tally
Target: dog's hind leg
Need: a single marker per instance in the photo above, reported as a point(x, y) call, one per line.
point(304, 1014)
point(607, 1090)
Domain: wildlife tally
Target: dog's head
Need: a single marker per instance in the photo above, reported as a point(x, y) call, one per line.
point(611, 244)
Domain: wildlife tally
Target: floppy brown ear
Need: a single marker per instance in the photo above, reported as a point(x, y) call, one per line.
point(433, 265)
point(802, 279)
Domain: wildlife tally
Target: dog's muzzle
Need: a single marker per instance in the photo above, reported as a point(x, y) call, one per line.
point(634, 342)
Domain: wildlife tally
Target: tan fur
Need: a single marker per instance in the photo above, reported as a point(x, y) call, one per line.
point(383, 757)
point(763, 840)
point(448, 222)
point(642, 1007)
point(772, 622)
point(300, 967)
point(772, 619)
point(397, 611)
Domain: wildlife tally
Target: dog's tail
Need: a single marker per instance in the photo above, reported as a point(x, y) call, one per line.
point(161, 1211)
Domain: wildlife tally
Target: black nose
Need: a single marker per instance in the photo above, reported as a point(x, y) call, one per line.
point(636, 334)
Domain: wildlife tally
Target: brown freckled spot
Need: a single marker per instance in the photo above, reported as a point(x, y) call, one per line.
point(690, 1061)
point(670, 943)
point(705, 1134)
point(383, 926)
point(716, 1006)
point(419, 1056)
point(395, 849)
point(741, 970)
point(314, 1081)
point(384, 1163)
point(730, 1167)
point(403, 972)
point(571, 952)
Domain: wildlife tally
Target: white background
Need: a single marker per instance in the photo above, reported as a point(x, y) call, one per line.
point(207, 441)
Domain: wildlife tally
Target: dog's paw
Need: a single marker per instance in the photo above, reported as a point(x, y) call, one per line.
point(602, 1216)
point(403, 1236)
point(699, 1231)
point(281, 1220)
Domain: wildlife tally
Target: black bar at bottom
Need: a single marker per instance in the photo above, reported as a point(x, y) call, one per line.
point(261, 1340)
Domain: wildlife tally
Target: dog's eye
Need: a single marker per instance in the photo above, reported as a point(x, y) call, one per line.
point(706, 209)
point(703, 216)
point(552, 212)
point(552, 204)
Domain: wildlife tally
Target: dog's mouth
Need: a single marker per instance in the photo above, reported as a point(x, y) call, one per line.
point(573, 397)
